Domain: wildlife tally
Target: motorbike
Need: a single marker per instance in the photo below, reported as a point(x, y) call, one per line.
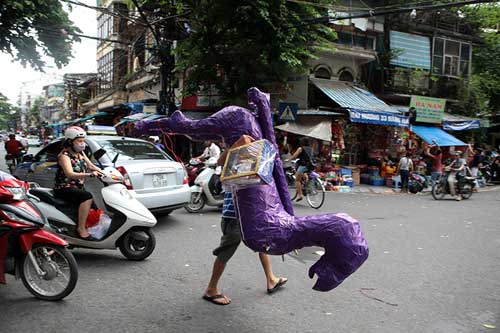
point(27, 251)
point(417, 183)
point(206, 189)
point(193, 169)
point(464, 187)
point(131, 222)
point(12, 161)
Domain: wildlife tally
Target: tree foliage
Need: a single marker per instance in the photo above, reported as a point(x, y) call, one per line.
point(239, 44)
point(234, 45)
point(485, 83)
point(30, 29)
point(8, 112)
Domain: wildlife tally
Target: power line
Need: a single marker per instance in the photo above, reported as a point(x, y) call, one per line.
point(373, 13)
point(103, 10)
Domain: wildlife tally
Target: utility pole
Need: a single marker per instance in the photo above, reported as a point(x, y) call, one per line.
point(163, 38)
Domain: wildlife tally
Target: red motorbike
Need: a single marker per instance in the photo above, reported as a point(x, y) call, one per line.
point(193, 168)
point(40, 258)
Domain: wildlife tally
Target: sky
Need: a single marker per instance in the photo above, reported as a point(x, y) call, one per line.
point(84, 61)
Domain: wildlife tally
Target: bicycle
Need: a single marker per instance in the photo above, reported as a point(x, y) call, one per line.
point(312, 189)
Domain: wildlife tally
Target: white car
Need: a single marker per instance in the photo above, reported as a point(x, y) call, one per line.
point(34, 140)
point(154, 178)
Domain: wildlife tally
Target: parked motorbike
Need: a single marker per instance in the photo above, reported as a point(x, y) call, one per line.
point(131, 222)
point(417, 183)
point(193, 169)
point(206, 189)
point(464, 187)
point(27, 251)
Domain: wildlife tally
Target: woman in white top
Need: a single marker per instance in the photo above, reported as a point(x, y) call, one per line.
point(404, 167)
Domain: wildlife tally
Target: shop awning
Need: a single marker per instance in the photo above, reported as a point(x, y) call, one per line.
point(350, 97)
point(318, 129)
point(137, 117)
point(90, 116)
point(430, 134)
point(363, 106)
point(318, 113)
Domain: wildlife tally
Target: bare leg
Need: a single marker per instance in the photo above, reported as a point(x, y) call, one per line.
point(212, 288)
point(271, 279)
point(298, 185)
point(83, 212)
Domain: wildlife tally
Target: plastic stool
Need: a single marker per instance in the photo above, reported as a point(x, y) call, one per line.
point(396, 182)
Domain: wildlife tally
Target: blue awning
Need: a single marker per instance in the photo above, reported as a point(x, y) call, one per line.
point(135, 107)
point(91, 116)
point(363, 106)
point(430, 134)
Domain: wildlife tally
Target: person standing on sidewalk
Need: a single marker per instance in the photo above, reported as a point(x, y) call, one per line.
point(229, 242)
point(405, 166)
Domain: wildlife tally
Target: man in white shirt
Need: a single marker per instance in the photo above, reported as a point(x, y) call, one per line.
point(212, 151)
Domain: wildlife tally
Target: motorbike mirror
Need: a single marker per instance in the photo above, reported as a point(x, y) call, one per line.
point(28, 158)
point(115, 158)
point(99, 153)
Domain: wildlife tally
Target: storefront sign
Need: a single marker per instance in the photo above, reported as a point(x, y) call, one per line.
point(379, 118)
point(461, 126)
point(429, 109)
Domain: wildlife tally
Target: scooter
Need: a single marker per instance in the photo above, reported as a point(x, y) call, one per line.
point(193, 168)
point(464, 187)
point(131, 222)
point(40, 258)
point(417, 183)
point(206, 189)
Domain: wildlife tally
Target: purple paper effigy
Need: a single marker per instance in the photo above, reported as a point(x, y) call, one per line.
point(265, 211)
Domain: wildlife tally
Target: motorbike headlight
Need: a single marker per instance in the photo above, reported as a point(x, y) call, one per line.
point(18, 193)
point(15, 218)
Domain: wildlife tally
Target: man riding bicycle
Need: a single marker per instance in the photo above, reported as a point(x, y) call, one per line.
point(304, 154)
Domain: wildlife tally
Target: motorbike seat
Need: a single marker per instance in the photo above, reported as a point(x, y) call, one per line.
point(47, 195)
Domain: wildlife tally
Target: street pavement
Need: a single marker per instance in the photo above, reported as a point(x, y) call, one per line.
point(434, 266)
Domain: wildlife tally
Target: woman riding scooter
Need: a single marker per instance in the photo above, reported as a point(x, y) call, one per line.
point(70, 177)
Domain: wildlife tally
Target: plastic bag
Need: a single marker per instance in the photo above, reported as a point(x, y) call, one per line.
point(93, 217)
point(100, 230)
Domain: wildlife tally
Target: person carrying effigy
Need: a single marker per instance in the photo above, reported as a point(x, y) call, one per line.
point(267, 221)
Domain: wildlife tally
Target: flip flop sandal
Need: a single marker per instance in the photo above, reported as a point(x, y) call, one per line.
point(212, 299)
point(281, 283)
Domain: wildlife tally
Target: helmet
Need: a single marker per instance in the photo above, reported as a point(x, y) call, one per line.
point(74, 132)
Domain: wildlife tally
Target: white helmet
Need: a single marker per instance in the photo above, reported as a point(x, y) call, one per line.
point(74, 132)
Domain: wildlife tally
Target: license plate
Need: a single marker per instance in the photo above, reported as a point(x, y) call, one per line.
point(160, 181)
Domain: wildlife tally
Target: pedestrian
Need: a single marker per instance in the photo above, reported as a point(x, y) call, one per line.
point(405, 166)
point(230, 240)
point(436, 155)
